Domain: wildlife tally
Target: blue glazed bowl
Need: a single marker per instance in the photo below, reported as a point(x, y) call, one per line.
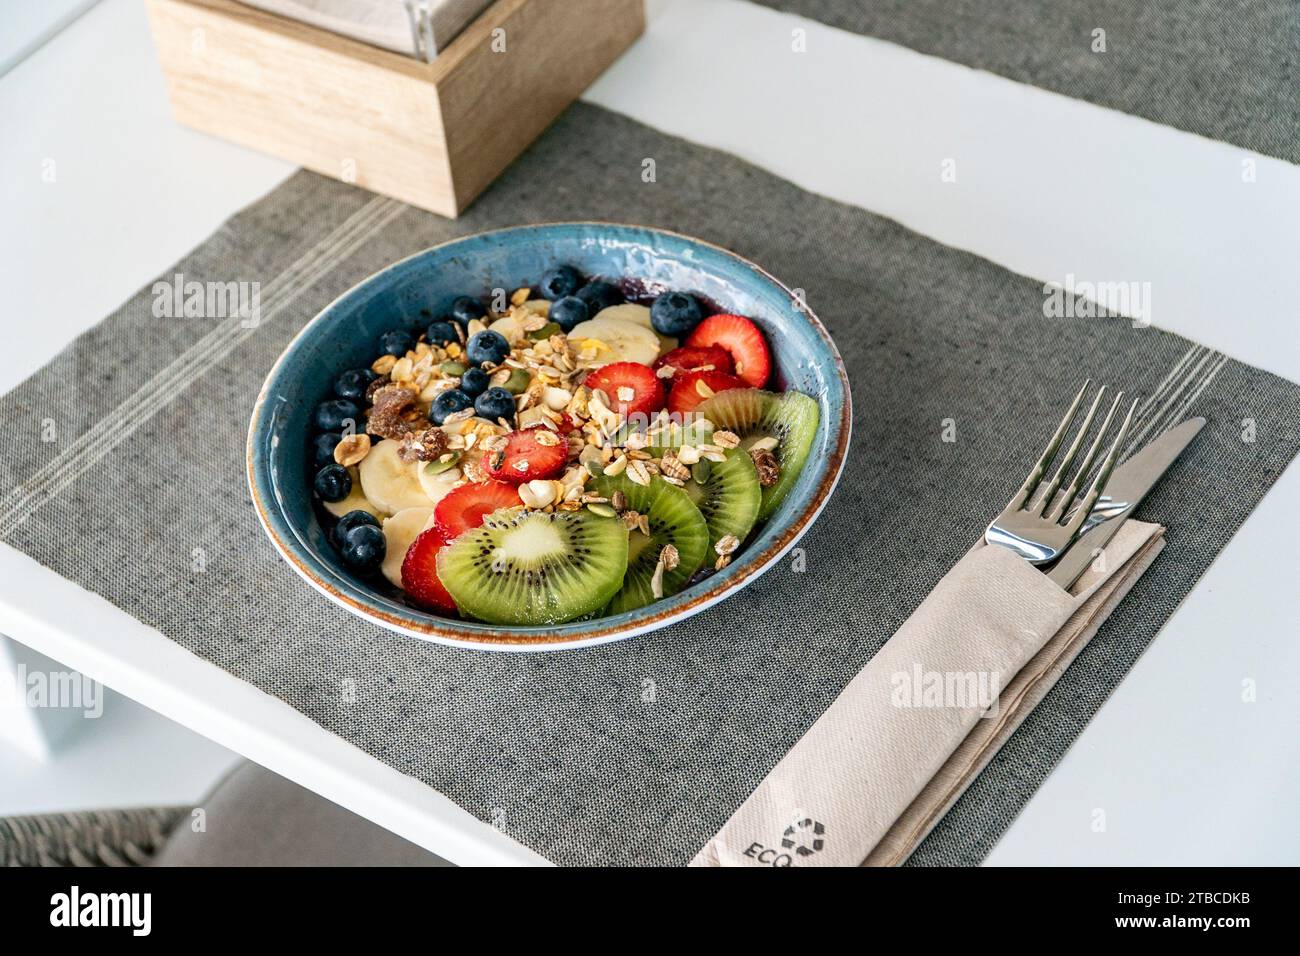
point(345, 334)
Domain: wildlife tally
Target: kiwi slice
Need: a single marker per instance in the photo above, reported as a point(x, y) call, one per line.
point(533, 568)
point(729, 496)
point(673, 519)
point(789, 417)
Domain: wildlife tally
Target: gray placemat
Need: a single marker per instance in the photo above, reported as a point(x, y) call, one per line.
point(1226, 69)
point(632, 752)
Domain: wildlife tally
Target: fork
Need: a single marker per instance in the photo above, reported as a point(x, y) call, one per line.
point(1026, 525)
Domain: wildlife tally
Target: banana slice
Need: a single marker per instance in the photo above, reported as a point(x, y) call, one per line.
point(399, 531)
point(627, 341)
point(627, 312)
point(355, 501)
point(391, 484)
point(437, 485)
point(637, 315)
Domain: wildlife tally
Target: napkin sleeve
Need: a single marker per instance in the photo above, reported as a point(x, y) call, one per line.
point(865, 761)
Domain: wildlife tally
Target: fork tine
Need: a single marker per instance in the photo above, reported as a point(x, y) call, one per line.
point(1036, 474)
point(1045, 498)
point(1103, 473)
point(1081, 475)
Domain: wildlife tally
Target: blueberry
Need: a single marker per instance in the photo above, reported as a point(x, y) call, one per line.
point(674, 314)
point(568, 312)
point(351, 520)
point(466, 308)
point(335, 414)
point(333, 483)
point(599, 295)
point(495, 403)
point(322, 448)
point(353, 383)
point(560, 281)
point(364, 547)
point(397, 342)
point(487, 347)
point(448, 403)
point(440, 333)
point(474, 382)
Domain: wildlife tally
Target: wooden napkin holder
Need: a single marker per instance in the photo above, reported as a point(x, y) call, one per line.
point(431, 134)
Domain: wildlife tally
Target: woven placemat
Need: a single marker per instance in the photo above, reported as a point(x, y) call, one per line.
point(634, 752)
point(1225, 69)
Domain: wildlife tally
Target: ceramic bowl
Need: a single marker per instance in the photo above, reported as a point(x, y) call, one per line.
point(345, 334)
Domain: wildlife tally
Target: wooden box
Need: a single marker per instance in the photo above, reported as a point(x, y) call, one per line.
point(430, 134)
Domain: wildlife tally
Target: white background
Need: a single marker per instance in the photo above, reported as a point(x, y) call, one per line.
point(1183, 769)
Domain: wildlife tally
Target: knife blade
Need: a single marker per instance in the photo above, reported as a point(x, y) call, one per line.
point(1127, 487)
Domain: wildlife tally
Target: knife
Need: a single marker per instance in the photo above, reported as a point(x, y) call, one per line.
point(1127, 487)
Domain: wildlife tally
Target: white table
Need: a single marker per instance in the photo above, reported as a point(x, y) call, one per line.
point(1184, 770)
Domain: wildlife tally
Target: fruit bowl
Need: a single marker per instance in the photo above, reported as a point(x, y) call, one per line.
point(646, 261)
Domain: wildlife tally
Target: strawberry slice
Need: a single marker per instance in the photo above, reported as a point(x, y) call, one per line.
point(524, 458)
point(707, 358)
point(742, 340)
point(694, 387)
point(463, 508)
point(420, 573)
point(632, 388)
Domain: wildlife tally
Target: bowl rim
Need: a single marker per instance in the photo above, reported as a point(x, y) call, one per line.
point(450, 632)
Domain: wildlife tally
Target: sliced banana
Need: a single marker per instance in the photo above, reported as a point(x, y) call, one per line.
point(627, 312)
point(355, 501)
point(627, 341)
point(390, 483)
point(436, 486)
point(399, 531)
point(637, 315)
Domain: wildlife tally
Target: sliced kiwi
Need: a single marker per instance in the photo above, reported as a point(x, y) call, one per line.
point(729, 496)
point(753, 414)
point(673, 519)
point(533, 568)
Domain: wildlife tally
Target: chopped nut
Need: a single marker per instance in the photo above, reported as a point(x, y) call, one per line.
point(352, 449)
point(616, 466)
point(767, 443)
point(384, 364)
point(722, 562)
point(670, 557)
point(703, 390)
point(727, 544)
point(556, 399)
point(520, 296)
point(665, 371)
point(688, 454)
point(618, 501)
point(725, 439)
point(625, 393)
point(769, 469)
point(537, 494)
point(403, 370)
point(374, 387)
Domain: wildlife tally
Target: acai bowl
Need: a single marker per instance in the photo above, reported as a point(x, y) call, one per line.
point(549, 436)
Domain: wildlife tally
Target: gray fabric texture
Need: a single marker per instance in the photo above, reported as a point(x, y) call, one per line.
point(563, 751)
point(1226, 69)
point(256, 818)
point(87, 838)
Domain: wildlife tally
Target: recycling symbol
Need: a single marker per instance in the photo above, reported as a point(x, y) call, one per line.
point(804, 837)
